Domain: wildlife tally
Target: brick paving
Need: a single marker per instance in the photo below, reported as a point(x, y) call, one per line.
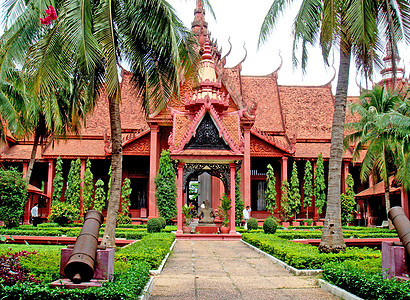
point(229, 270)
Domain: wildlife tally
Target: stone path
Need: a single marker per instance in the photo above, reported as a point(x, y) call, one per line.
point(229, 270)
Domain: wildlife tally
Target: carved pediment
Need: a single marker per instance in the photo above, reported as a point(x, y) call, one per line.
point(263, 149)
point(207, 136)
point(140, 146)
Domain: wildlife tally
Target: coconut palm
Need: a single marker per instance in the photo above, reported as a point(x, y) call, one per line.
point(352, 26)
point(370, 132)
point(92, 39)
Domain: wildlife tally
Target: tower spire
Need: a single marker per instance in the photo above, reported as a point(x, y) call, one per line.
point(392, 74)
point(199, 26)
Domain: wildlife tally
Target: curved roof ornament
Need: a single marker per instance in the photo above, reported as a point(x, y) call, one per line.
point(329, 83)
point(223, 60)
point(239, 65)
point(275, 73)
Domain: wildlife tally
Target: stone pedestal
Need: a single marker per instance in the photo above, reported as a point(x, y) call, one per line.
point(104, 263)
point(394, 261)
point(206, 229)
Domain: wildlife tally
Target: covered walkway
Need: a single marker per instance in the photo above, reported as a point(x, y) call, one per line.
point(229, 270)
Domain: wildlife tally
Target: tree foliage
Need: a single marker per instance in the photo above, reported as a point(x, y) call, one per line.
point(13, 196)
point(239, 204)
point(124, 217)
point(320, 186)
point(58, 182)
point(348, 202)
point(88, 187)
point(270, 192)
point(72, 193)
point(294, 191)
point(166, 191)
point(99, 198)
point(284, 202)
point(307, 187)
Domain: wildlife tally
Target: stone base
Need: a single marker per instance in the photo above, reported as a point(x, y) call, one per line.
point(209, 237)
point(104, 263)
point(68, 284)
point(394, 261)
point(206, 229)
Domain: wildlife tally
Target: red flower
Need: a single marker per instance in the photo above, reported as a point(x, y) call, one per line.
point(51, 16)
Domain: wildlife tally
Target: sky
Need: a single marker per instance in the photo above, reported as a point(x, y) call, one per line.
point(241, 21)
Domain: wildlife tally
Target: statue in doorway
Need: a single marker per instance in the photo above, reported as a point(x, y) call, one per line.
point(207, 214)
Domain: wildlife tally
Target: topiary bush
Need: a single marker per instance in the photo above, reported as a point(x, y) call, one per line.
point(13, 196)
point(252, 224)
point(163, 222)
point(63, 213)
point(154, 225)
point(270, 226)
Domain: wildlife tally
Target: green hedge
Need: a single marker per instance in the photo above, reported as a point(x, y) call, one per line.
point(126, 285)
point(151, 249)
point(132, 267)
point(302, 256)
point(365, 282)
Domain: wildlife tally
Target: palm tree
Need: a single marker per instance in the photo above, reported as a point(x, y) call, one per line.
point(370, 132)
point(353, 26)
point(92, 39)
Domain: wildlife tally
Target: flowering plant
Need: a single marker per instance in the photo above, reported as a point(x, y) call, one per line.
point(186, 210)
point(51, 16)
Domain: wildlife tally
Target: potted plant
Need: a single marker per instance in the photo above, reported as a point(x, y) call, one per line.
point(186, 210)
point(223, 213)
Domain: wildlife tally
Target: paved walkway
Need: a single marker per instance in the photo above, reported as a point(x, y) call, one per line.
point(229, 270)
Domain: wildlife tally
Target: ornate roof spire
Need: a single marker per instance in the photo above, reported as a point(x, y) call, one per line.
point(199, 26)
point(389, 78)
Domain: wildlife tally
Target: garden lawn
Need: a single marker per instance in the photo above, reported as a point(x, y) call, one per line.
point(132, 265)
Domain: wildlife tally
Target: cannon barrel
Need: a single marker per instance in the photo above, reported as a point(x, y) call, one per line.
point(402, 224)
point(80, 266)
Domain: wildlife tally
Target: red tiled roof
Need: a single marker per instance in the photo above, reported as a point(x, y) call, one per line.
point(35, 190)
point(76, 147)
point(312, 150)
point(378, 189)
point(308, 111)
point(264, 90)
point(20, 152)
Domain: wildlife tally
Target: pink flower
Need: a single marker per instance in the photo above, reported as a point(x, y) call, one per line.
point(51, 16)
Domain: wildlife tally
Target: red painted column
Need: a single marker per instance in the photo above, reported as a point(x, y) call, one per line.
point(25, 167)
point(232, 216)
point(247, 167)
point(344, 177)
point(180, 196)
point(284, 165)
point(315, 213)
point(405, 201)
point(82, 171)
point(153, 168)
point(50, 178)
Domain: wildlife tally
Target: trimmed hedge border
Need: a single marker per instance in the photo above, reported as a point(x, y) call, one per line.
point(129, 284)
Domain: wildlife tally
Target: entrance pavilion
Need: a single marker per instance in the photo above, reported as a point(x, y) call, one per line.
point(207, 137)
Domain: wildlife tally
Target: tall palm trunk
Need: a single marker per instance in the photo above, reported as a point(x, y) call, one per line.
point(116, 173)
point(33, 155)
point(387, 201)
point(332, 235)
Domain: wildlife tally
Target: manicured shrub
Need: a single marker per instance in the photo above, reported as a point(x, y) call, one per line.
point(365, 282)
point(302, 256)
point(163, 222)
point(166, 191)
point(270, 225)
point(154, 225)
point(63, 213)
point(151, 249)
point(13, 196)
point(88, 187)
point(252, 224)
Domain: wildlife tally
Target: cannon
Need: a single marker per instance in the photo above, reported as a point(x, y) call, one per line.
point(80, 266)
point(402, 224)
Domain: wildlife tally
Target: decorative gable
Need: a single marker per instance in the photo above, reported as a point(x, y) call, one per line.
point(207, 136)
